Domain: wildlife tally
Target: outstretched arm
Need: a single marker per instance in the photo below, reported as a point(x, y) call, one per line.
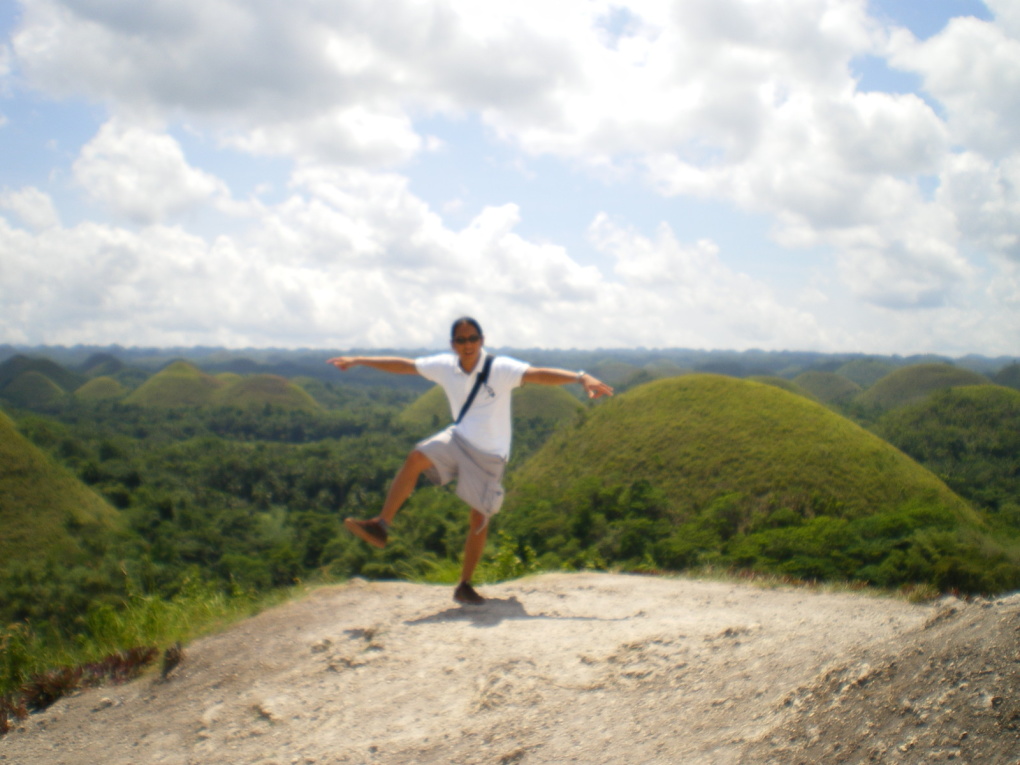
point(594, 387)
point(393, 364)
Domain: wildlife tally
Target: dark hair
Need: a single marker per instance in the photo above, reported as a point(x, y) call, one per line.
point(466, 320)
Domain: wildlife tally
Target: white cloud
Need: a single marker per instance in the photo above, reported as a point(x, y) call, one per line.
point(33, 207)
point(143, 175)
point(973, 68)
point(749, 102)
point(985, 197)
point(685, 295)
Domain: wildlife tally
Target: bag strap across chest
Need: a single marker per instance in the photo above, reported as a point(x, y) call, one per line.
point(483, 377)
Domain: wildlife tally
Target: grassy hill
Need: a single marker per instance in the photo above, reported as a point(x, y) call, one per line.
point(101, 389)
point(828, 387)
point(183, 384)
point(179, 384)
point(44, 510)
point(102, 365)
point(262, 389)
point(971, 437)
point(705, 469)
point(18, 365)
point(911, 384)
point(33, 390)
point(790, 386)
point(1008, 376)
point(865, 372)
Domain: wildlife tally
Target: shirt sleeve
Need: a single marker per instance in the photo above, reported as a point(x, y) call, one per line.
point(508, 372)
point(432, 367)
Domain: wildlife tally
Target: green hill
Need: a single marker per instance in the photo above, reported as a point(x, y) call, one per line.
point(102, 365)
point(911, 384)
point(179, 384)
point(33, 390)
point(790, 386)
point(1008, 376)
point(44, 510)
point(18, 365)
point(705, 469)
point(828, 387)
point(865, 372)
point(427, 413)
point(260, 390)
point(100, 389)
point(971, 436)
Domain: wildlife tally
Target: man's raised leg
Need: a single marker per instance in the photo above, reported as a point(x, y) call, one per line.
point(375, 531)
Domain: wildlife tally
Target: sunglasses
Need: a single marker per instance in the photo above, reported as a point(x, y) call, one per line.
point(467, 339)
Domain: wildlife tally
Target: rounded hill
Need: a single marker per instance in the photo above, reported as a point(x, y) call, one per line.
point(711, 469)
point(18, 365)
point(790, 386)
point(100, 389)
point(33, 390)
point(264, 389)
point(828, 387)
point(970, 435)
point(911, 384)
point(44, 510)
point(179, 384)
point(702, 436)
point(865, 372)
point(1009, 376)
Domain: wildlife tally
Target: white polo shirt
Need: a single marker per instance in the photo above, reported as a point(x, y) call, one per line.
point(487, 424)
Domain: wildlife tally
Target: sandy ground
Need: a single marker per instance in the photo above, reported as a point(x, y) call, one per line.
point(566, 668)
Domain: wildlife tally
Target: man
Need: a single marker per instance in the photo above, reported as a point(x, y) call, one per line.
point(474, 450)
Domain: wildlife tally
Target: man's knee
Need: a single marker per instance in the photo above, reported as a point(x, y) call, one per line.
point(417, 462)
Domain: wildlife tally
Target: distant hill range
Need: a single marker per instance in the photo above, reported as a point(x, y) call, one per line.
point(863, 385)
point(184, 384)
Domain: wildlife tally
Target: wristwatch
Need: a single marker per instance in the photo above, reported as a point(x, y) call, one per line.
point(580, 375)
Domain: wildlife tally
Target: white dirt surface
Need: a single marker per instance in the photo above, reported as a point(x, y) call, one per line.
point(565, 668)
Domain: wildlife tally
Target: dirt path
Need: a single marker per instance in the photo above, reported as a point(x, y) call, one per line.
point(559, 668)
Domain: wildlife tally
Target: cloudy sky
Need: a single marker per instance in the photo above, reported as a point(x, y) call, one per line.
point(832, 175)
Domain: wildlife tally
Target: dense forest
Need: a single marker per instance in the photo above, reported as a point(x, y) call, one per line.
point(228, 474)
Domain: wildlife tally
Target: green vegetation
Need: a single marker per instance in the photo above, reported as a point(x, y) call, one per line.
point(706, 469)
point(260, 390)
point(970, 437)
point(180, 384)
point(149, 504)
point(45, 512)
point(18, 365)
point(790, 386)
point(34, 390)
point(828, 387)
point(1008, 376)
point(911, 384)
point(101, 389)
point(865, 372)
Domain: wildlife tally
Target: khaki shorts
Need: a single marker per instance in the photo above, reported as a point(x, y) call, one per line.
point(479, 476)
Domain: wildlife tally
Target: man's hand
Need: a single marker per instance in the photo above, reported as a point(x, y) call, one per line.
point(343, 363)
point(594, 387)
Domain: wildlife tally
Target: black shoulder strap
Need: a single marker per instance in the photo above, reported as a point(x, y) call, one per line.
point(482, 378)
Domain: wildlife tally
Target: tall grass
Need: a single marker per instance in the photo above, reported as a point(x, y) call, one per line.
point(28, 650)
